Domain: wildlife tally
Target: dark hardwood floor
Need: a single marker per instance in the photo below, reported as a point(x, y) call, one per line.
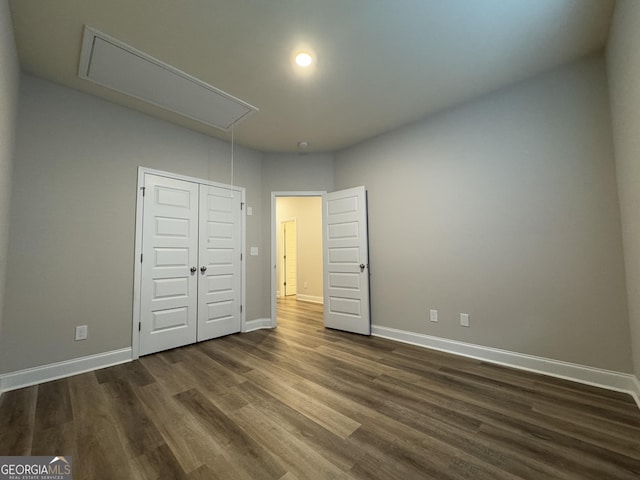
point(302, 402)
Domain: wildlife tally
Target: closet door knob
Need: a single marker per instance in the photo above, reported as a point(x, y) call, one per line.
point(193, 269)
point(203, 269)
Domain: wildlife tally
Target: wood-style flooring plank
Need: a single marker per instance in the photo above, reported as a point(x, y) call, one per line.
point(137, 431)
point(17, 417)
point(334, 448)
point(166, 374)
point(244, 451)
point(100, 453)
point(133, 372)
point(333, 421)
point(159, 463)
point(54, 404)
point(190, 442)
point(295, 456)
point(59, 440)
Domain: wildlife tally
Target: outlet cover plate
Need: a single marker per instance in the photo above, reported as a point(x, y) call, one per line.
point(82, 332)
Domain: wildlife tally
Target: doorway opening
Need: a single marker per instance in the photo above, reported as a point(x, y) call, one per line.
point(296, 245)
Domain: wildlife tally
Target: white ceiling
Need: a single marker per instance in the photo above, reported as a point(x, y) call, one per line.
point(380, 63)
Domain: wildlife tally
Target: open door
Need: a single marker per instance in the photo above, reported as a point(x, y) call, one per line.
point(346, 261)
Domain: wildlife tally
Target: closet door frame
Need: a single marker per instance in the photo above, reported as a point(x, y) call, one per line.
point(137, 274)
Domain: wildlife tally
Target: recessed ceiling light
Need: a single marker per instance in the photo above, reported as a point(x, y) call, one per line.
point(304, 59)
point(303, 145)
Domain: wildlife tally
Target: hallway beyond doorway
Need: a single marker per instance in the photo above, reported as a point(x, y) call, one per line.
point(292, 309)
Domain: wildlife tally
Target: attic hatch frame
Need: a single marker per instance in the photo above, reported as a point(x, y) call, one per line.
point(165, 87)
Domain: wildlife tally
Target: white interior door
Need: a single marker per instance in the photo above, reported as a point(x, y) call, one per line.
point(290, 240)
point(220, 282)
point(346, 261)
point(168, 295)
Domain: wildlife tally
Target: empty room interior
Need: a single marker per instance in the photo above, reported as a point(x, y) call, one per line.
point(321, 239)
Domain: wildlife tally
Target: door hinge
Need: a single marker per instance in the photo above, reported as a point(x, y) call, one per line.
point(141, 258)
point(241, 205)
point(240, 257)
point(139, 326)
point(143, 190)
point(240, 308)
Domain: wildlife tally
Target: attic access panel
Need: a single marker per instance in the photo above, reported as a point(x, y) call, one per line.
point(118, 66)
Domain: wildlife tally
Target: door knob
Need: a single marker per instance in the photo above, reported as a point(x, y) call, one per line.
point(193, 269)
point(203, 269)
point(362, 266)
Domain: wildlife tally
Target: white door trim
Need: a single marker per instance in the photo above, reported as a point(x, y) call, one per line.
point(274, 259)
point(137, 271)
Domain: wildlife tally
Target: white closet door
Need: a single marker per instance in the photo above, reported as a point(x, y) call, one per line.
point(346, 261)
point(168, 296)
point(219, 297)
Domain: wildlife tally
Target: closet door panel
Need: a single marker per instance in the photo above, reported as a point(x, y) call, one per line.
point(168, 295)
point(219, 286)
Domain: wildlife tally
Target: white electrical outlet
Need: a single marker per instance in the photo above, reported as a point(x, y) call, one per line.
point(464, 319)
point(82, 332)
point(254, 251)
point(433, 315)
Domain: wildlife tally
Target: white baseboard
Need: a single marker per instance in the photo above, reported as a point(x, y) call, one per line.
point(620, 382)
point(53, 371)
point(251, 325)
point(309, 298)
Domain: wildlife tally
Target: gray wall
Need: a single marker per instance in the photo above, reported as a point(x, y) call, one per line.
point(288, 172)
point(73, 218)
point(9, 81)
point(623, 61)
point(505, 208)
